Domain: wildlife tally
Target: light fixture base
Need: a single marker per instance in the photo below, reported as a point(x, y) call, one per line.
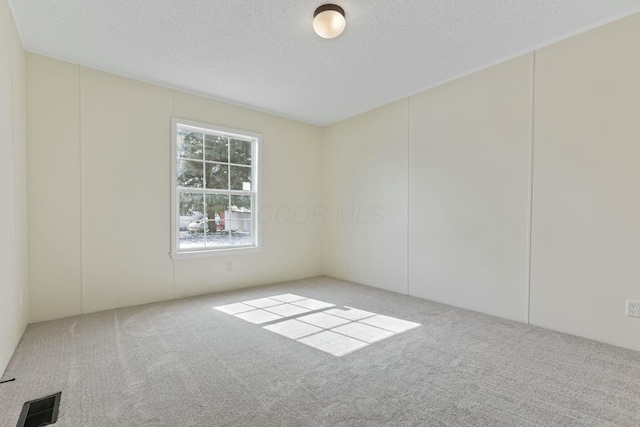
point(325, 7)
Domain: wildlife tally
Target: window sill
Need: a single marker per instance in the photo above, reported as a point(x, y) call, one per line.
point(214, 253)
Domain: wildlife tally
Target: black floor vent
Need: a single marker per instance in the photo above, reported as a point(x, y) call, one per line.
point(40, 412)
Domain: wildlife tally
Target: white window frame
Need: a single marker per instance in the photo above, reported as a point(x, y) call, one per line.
point(256, 139)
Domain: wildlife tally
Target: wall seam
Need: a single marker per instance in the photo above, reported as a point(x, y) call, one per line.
point(323, 201)
point(82, 207)
point(408, 229)
point(530, 189)
point(12, 131)
point(24, 289)
point(173, 114)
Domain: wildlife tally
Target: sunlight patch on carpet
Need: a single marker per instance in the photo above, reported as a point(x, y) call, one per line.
point(333, 330)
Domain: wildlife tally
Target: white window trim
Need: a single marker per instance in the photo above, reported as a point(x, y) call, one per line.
point(175, 253)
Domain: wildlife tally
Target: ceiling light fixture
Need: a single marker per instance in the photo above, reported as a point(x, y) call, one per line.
point(328, 21)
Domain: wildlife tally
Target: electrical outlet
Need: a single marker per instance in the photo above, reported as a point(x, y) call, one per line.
point(349, 263)
point(229, 265)
point(633, 308)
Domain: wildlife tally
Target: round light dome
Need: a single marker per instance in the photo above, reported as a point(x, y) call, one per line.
point(328, 21)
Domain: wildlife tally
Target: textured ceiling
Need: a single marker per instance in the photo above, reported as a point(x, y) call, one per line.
point(265, 55)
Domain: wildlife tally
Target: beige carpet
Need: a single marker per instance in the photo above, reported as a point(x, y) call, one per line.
point(335, 354)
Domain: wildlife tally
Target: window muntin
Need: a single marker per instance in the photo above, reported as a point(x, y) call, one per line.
point(214, 181)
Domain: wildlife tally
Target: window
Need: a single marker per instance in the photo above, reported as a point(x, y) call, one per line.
point(214, 180)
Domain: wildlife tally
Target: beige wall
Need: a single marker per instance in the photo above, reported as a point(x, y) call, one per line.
point(99, 173)
point(469, 190)
point(452, 165)
point(586, 199)
point(365, 192)
point(53, 143)
point(523, 186)
point(13, 189)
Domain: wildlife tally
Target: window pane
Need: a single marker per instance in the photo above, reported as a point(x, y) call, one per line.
point(192, 220)
point(189, 144)
point(241, 233)
point(215, 227)
point(190, 173)
point(217, 176)
point(216, 148)
point(217, 204)
point(217, 208)
point(221, 238)
point(241, 207)
point(238, 220)
point(240, 152)
point(240, 178)
point(191, 204)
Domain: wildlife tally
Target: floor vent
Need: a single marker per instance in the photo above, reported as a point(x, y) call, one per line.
point(40, 412)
